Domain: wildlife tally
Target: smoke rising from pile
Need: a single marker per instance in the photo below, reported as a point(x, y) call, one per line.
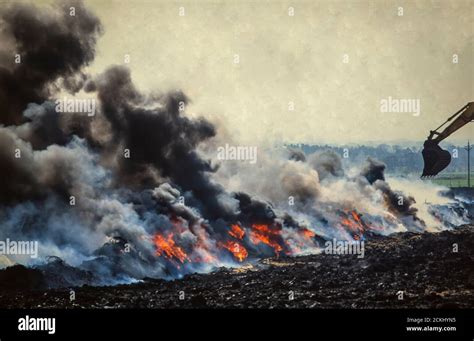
point(165, 209)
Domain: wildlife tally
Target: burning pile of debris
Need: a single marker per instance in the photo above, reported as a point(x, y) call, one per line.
point(402, 270)
point(134, 189)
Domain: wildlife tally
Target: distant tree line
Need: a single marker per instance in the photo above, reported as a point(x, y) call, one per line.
point(399, 159)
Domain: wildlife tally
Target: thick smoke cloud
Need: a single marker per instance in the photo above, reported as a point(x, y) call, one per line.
point(17, 176)
point(53, 46)
point(396, 201)
point(326, 163)
point(159, 137)
point(373, 171)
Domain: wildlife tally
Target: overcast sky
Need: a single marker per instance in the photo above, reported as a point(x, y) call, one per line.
point(299, 59)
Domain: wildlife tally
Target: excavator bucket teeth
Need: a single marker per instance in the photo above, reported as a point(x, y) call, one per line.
point(435, 158)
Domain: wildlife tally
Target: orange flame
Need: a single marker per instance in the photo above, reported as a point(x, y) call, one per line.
point(356, 217)
point(166, 246)
point(355, 224)
point(237, 249)
point(263, 234)
point(237, 232)
point(308, 234)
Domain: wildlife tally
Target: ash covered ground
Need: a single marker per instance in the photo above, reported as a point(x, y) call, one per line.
point(423, 265)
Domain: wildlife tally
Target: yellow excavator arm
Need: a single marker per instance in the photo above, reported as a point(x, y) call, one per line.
point(435, 158)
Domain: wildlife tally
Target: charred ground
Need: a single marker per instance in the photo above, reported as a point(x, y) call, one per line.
point(423, 265)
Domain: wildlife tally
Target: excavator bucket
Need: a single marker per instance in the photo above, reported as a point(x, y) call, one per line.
point(435, 158)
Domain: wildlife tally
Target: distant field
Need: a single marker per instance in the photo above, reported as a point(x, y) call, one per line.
point(453, 180)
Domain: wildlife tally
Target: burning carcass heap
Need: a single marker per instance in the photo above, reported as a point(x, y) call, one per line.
point(132, 191)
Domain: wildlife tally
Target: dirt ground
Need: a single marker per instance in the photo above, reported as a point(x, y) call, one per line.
point(422, 266)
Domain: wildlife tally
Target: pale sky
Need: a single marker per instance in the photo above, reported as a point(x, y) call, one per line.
point(299, 59)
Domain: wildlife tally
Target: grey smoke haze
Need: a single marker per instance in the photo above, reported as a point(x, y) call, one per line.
point(326, 163)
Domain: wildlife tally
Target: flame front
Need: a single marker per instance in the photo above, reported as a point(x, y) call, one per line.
point(354, 223)
point(262, 233)
point(237, 249)
point(237, 232)
point(166, 246)
point(239, 240)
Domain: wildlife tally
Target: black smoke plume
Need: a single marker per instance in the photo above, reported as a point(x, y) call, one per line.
point(52, 46)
